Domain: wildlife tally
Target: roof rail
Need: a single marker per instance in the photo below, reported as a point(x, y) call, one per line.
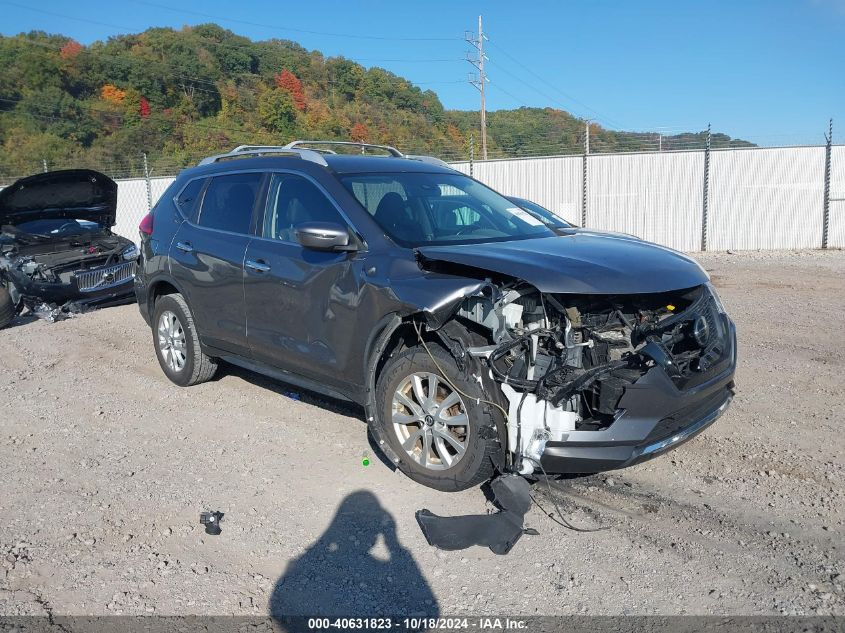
point(314, 156)
point(387, 148)
point(244, 148)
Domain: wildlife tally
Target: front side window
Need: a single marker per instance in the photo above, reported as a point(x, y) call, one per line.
point(294, 200)
point(418, 209)
point(228, 202)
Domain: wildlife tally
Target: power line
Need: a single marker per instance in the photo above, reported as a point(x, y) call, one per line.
point(357, 36)
point(546, 83)
point(67, 17)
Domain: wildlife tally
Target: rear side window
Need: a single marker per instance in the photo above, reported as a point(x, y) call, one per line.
point(228, 202)
point(188, 199)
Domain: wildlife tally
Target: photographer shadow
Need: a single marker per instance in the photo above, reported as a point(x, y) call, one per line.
point(357, 568)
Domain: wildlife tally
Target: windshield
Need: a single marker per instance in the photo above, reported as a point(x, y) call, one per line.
point(417, 209)
point(57, 227)
point(541, 212)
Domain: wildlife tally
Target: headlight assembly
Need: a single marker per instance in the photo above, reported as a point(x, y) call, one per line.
point(130, 253)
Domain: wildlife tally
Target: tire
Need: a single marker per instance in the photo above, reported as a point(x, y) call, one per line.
point(399, 422)
point(191, 366)
point(7, 308)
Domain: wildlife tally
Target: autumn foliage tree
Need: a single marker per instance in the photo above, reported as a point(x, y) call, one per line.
point(144, 108)
point(70, 50)
point(112, 94)
point(286, 80)
point(359, 132)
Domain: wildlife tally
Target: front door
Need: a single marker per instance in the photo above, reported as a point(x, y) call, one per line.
point(298, 300)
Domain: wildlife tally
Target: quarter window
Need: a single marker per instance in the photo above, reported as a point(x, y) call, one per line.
point(188, 199)
point(294, 200)
point(228, 202)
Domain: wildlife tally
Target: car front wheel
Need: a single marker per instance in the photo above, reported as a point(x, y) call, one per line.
point(435, 420)
point(177, 344)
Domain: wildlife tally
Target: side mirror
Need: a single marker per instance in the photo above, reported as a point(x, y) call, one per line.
point(324, 236)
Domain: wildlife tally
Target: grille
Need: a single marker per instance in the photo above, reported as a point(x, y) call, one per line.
point(101, 278)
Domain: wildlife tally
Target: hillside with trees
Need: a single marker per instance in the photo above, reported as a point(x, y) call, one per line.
point(178, 95)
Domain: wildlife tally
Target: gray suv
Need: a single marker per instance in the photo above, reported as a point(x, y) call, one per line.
point(478, 336)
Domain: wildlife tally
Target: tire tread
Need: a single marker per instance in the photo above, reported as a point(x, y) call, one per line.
point(203, 366)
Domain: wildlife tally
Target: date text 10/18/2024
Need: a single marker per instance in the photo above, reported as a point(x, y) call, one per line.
point(416, 624)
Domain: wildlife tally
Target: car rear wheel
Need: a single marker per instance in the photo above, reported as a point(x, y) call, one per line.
point(444, 436)
point(7, 308)
point(177, 344)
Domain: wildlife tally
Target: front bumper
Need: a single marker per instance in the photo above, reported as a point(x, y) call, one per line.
point(654, 416)
point(60, 293)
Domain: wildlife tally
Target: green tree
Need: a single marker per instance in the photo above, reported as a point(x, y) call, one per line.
point(278, 112)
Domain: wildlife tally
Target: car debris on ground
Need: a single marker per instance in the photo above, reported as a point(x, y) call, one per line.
point(499, 531)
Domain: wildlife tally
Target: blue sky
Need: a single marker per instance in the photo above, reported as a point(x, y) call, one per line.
point(772, 71)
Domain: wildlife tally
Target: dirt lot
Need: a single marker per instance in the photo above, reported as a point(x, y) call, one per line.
point(105, 466)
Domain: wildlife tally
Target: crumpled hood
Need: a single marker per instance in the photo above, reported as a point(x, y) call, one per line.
point(80, 194)
point(586, 263)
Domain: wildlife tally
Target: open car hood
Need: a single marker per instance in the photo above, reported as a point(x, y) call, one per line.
point(80, 194)
point(587, 263)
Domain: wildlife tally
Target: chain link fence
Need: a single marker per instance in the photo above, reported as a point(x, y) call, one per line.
point(690, 200)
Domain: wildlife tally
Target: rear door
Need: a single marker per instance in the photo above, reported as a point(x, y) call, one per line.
point(207, 257)
point(299, 301)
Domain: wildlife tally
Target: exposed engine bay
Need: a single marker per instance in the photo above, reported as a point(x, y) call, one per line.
point(55, 261)
point(563, 362)
point(36, 270)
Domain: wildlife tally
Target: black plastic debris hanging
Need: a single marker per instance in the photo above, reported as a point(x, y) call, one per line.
point(211, 521)
point(499, 531)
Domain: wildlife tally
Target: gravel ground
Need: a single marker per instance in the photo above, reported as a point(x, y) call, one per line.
point(105, 466)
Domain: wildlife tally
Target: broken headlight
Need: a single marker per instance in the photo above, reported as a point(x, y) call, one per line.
point(130, 253)
point(716, 300)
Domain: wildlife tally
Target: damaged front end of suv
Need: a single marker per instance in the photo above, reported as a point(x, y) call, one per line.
point(57, 251)
point(593, 375)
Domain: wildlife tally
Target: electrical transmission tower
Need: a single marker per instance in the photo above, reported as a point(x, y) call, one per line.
point(479, 80)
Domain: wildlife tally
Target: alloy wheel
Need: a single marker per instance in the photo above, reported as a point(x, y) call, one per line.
point(430, 421)
point(171, 341)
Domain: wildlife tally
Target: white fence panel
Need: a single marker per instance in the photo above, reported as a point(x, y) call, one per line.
point(131, 206)
point(132, 203)
point(656, 196)
point(766, 198)
point(554, 183)
point(158, 186)
point(836, 231)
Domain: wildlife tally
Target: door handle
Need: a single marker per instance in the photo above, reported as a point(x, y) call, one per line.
point(185, 247)
point(258, 266)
